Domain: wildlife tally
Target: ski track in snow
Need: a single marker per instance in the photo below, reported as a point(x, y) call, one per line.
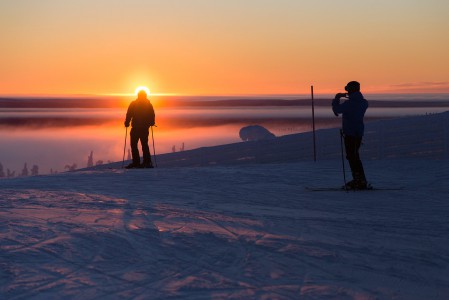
point(238, 230)
point(249, 232)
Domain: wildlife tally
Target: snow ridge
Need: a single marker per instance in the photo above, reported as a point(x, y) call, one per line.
point(425, 137)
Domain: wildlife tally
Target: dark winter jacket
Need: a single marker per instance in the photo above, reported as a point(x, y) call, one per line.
point(353, 111)
point(141, 114)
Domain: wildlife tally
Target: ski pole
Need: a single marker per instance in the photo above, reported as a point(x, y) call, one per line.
point(154, 149)
point(124, 147)
point(342, 158)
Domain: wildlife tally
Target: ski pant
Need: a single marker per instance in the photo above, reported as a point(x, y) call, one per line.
point(352, 146)
point(142, 135)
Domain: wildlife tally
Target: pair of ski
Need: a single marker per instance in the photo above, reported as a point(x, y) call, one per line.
point(370, 188)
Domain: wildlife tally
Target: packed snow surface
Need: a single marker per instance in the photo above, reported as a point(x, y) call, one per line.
point(237, 231)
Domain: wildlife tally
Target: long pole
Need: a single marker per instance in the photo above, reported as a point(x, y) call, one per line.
point(343, 159)
point(154, 149)
point(124, 147)
point(313, 124)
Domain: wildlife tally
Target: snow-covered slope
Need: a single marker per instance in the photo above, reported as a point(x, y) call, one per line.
point(229, 231)
point(424, 137)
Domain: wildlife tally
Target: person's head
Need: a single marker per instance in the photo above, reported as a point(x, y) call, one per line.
point(352, 87)
point(142, 94)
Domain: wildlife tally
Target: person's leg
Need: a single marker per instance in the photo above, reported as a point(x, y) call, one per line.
point(134, 150)
point(350, 153)
point(145, 149)
point(358, 166)
point(352, 145)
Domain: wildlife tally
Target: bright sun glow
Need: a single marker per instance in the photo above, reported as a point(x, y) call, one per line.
point(140, 88)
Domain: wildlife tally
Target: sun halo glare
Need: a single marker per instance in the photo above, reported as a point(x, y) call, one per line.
point(142, 88)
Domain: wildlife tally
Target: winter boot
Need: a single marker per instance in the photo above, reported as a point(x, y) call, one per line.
point(133, 166)
point(356, 184)
point(147, 165)
point(350, 185)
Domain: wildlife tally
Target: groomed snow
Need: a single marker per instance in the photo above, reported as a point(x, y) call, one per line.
point(232, 230)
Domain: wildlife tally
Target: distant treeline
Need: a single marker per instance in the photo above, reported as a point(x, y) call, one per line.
point(179, 101)
point(302, 103)
point(58, 102)
point(45, 121)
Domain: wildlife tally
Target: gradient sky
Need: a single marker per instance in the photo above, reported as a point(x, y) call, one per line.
point(222, 46)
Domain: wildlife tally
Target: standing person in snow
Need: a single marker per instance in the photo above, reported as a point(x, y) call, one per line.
point(353, 111)
point(141, 115)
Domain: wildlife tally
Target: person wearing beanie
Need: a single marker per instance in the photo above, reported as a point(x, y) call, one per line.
point(141, 115)
point(352, 111)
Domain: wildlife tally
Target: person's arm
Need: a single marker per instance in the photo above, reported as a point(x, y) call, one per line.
point(152, 116)
point(337, 107)
point(129, 114)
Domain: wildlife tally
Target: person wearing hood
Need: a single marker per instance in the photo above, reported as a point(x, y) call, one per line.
point(352, 111)
point(141, 115)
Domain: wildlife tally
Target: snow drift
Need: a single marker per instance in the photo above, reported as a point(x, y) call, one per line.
point(238, 223)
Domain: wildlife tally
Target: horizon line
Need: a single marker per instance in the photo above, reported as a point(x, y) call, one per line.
point(88, 95)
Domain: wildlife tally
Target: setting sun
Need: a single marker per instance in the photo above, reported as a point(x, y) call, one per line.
point(142, 88)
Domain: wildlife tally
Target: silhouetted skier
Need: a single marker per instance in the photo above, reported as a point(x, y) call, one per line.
point(353, 111)
point(141, 115)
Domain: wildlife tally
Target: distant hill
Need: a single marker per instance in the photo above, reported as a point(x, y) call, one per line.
point(409, 137)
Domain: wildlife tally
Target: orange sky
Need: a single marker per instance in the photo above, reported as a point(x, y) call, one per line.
point(222, 47)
